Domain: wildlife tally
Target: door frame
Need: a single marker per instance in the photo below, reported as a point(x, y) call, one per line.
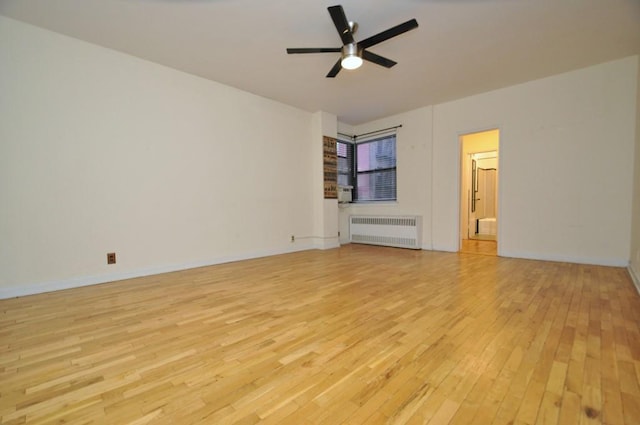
point(463, 195)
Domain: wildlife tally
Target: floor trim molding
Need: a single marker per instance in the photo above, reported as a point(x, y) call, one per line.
point(634, 278)
point(609, 262)
point(80, 281)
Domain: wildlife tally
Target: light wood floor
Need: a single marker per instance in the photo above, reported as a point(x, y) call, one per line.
point(356, 335)
point(475, 246)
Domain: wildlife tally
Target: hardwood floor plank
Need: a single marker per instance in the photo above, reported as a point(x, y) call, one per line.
point(355, 335)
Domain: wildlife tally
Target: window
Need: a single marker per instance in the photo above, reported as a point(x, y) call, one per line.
point(370, 167)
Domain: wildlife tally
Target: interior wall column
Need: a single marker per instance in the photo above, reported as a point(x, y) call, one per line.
point(325, 210)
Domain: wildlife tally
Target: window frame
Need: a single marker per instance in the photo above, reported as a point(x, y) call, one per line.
point(350, 160)
point(353, 178)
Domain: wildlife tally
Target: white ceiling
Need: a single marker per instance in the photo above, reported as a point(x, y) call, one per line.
point(461, 47)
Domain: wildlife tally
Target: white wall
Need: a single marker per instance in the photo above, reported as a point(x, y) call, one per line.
point(413, 156)
point(566, 164)
point(634, 265)
point(101, 152)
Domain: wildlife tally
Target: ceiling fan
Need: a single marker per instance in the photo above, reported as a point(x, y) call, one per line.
point(352, 52)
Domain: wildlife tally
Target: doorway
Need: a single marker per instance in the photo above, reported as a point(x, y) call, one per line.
point(479, 192)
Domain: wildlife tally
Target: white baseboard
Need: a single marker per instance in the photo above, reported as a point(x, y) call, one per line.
point(77, 282)
point(326, 243)
point(535, 256)
point(635, 277)
point(443, 248)
point(610, 262)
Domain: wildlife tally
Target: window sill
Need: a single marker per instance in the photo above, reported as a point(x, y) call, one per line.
point(370, 203)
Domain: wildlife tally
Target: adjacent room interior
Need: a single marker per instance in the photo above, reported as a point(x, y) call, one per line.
point(479, 192)
point(202, 223)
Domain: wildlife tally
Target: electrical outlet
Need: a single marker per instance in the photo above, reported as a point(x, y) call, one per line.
point(111, 258)
point(293, 238)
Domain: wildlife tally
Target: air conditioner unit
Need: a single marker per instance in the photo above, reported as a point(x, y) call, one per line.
point(344, 194)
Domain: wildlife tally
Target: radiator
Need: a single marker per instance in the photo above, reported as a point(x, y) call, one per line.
point(398, 231)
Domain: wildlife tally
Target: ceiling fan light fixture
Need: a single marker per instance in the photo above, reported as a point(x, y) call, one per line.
point(350, 57)
point(353, 52)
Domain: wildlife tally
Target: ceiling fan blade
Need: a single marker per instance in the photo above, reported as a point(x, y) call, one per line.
point(341, 23)
point(377, 59)
point(314, 50)
point(336, 68)
point(391, 32)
